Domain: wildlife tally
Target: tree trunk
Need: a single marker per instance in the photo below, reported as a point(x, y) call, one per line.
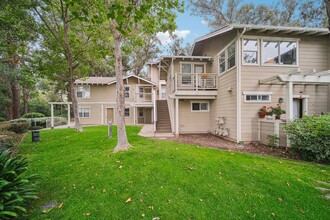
point(25, 100)
point(122, 142)
point(16, 99)
point(69, 58)
point(9, 111)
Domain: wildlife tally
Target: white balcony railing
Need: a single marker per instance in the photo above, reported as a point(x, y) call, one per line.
point(196, 81)
point(143, 97)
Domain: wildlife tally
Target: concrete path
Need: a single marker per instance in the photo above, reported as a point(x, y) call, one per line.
point(148, 131)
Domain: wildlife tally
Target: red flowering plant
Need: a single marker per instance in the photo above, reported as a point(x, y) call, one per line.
point(278, 111)
point(262, 112)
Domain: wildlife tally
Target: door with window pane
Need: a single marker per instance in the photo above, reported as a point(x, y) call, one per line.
point(186, 74)
point(199, 70)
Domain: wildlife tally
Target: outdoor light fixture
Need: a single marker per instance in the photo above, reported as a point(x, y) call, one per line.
point(280, 100)
point(300, 94)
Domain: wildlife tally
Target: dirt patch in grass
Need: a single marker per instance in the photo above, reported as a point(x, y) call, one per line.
point(212, 141)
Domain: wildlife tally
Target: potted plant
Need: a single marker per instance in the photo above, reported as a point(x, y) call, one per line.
point(262, 112)
point(269, 113)
point(278, 111)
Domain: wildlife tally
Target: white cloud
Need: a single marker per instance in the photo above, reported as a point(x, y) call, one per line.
point(164, 37)
point(206, 23)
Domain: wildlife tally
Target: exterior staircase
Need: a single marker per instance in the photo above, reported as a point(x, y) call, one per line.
point(163, 124)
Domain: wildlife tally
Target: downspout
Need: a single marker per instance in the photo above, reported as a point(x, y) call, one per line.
point(239, 88)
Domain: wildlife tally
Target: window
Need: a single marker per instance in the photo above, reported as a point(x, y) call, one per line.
point(257, 96)
point(279, 52)
point(200, 106)
point(186, 71)
point(222, 62)
point(141, 92)
point(227, 59)
point(84, 112)
point(231, 56)
point(141, 113)
point(250, 51)
point(127, 112)
point(126, 91)
point(83, 92)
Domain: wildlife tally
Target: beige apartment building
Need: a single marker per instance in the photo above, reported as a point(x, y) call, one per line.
point(230, 74)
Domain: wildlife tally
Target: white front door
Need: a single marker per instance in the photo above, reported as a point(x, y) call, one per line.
point(162, 92)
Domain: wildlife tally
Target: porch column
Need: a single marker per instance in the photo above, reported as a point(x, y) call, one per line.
point(289, 106)
point(52, 116)
point(289, 101)
point(102, 114)
point(177, 117)
point(69, 116)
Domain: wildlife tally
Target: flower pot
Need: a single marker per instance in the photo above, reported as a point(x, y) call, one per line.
point(269, 117)
point(277, 117)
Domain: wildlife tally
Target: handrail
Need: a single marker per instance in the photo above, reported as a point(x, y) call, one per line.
point(195, 81)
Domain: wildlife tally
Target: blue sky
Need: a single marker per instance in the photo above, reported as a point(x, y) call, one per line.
point(191, 27)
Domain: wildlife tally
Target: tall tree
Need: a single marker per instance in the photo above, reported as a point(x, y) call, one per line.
point(217, 13)
point(17, 32)
point(129, 20)
point(70, 44)
point(327, 6)
point(176, 47)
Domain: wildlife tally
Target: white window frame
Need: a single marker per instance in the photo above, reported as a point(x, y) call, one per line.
point(192, 70)
point(199, 102)
point(257, 93)
point(129, 112)
point(225, 50)
point(258, 52)
point(84, 88)
point(127, 92)
point(82, 110)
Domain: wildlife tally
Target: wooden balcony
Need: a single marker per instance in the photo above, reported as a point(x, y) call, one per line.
point(196, 84)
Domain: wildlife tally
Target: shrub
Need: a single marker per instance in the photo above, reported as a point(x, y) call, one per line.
point(33, 115)
point(6, 142)
point(15, 190)
point(310, 137)
point(42, 122)
point(2, 119)
point(19, 127)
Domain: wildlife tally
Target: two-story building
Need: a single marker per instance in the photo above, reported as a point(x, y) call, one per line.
point(230, 74)
point(234, 71)
point(96, 98)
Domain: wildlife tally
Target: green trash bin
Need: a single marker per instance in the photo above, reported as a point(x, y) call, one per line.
point(35, 136)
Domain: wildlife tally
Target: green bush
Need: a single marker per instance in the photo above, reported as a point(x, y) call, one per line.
point(310, 137)
point(19, 127)
point(2, 119)
point(33, 115)
point(15, 190)
point(6, 142)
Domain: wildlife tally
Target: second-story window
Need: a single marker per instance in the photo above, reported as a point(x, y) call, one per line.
point(126, 91)
point(227, 59)
point(250, 51)
point(83, 92)
point(279, 52)
point(141, 92)
point(186, 71)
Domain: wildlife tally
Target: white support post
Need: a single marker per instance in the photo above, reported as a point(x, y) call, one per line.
point(69, 116)
point(289, 105)
point(52, 116)
point(177, 117)
point(102, 114)
point(277, 131)
point(134, 115)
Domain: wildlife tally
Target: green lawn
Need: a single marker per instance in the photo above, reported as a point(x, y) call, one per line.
point(168, 180)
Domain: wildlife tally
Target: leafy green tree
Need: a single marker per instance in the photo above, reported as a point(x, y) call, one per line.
point(17, 32)
point(70, 44)
point(129, 21)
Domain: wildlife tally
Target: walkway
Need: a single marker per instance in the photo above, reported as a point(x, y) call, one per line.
point(148, 131)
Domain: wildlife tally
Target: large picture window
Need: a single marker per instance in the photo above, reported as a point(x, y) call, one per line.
point(250, 51)
point(279, 52)
point(83, 91)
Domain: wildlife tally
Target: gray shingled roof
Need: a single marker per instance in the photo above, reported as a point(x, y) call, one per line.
point(96, 80)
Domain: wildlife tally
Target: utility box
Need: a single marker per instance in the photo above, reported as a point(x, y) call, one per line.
point(35, 136)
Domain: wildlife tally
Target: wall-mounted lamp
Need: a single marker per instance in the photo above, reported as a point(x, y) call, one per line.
point(280, 100)
point(300, 94)
point(230, 89)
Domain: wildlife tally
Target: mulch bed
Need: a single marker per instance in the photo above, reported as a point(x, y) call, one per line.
point(212, 141)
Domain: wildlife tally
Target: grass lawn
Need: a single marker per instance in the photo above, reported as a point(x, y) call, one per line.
point(167, 180)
